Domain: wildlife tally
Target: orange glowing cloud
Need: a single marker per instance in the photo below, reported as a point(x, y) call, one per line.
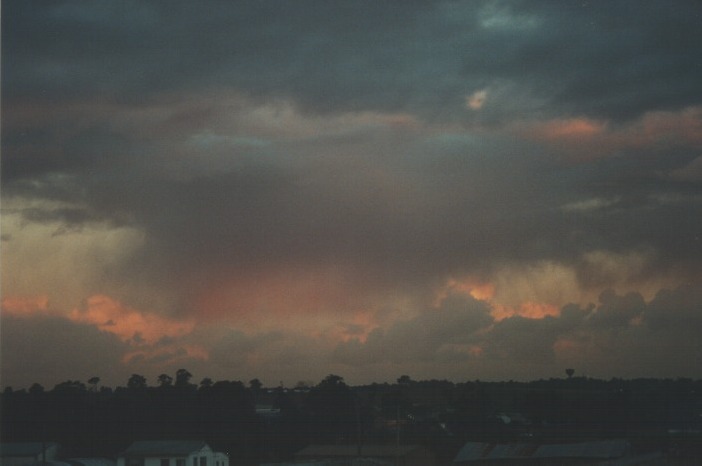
point(527, 309)
point(482, 291)
point(574, 128)
point(587, 138)
point(25, 306)
point(486, 291)
point(126, 323)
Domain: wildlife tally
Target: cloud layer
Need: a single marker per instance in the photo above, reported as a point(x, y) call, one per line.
point(283, 190)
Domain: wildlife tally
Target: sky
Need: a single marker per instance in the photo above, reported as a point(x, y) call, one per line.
point(282, 190)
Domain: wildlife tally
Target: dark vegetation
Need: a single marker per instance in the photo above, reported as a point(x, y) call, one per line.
point(93, 420)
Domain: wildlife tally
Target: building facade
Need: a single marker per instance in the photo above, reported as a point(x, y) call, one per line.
point(171, 453)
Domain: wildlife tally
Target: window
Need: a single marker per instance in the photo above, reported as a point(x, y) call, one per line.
point(203, 461)
point(180, 462)
point(165, 462)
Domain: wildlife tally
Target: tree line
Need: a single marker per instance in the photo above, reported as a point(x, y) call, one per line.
point(93, 420)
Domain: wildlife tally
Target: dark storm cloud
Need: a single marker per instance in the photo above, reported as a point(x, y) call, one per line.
point(676, 312)
point(397, 144)
point(617, 59)
point(136, 47)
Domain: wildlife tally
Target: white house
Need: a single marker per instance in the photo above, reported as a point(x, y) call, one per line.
point(171, 453)
point(220, 459)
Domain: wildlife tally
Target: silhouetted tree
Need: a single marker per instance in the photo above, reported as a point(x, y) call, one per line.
point(255, 385)
point(206, 383)
point(164, 380)
point(136, 382)
point(88, 423)
point(94, 381)
point(404, 380)
point(182, 379)
point(72, 386)
point(332, 380)
point(570, 372)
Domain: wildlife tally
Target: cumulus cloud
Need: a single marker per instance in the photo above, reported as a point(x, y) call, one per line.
point(636, 335)
point(146, 340)
point(128, 324)
point(425, 337)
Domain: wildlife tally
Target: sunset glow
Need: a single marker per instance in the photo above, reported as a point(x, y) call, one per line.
point(128, 324)
point(25, 305)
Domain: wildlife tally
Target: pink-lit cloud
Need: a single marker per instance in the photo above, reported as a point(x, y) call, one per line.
point(586, 138)
point(25, 305)
point(127, 323)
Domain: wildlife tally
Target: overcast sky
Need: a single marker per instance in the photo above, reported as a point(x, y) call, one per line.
point(287, 189)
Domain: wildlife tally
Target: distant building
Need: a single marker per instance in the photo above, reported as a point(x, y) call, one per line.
point(171, 453)
point(30, 453)
point(403, 455)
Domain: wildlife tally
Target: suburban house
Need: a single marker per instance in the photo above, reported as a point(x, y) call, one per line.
point(20, 454)
point(171, 453)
